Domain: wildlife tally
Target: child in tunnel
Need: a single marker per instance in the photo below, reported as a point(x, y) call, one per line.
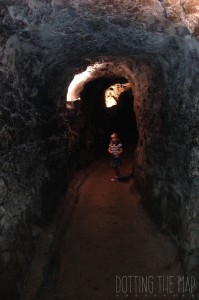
point(115, 149)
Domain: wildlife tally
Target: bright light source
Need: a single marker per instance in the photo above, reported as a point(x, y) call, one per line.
point(79, 78)
point(113, 92)
point(110, 101)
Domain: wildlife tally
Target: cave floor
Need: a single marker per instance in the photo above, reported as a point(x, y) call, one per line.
point(110, 235)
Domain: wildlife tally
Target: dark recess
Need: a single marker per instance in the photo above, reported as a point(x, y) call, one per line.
point(100, 122)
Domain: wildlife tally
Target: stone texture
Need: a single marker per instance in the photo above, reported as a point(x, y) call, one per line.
point(43, 45)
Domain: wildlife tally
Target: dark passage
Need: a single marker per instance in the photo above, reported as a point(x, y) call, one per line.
point(122, 118)
point(100, 121)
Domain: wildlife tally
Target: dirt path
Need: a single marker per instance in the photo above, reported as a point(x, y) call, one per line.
point(110, 236)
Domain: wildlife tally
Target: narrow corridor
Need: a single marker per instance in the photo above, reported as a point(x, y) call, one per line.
point(110, 236)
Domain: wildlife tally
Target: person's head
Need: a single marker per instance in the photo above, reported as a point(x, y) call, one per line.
point(114, 137)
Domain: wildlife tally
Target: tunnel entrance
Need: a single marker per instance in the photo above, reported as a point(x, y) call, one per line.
point(103, 99)
point(100, 121)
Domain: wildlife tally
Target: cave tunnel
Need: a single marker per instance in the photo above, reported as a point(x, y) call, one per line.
point(56, 121)
point(136, 114)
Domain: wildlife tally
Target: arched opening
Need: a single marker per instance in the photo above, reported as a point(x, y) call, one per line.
point(100, 101)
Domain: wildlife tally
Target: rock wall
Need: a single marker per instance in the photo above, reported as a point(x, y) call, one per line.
point(43, 45)
point(171, 156)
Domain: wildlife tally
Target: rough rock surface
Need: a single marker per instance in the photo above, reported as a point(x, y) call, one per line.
point(43, 44)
